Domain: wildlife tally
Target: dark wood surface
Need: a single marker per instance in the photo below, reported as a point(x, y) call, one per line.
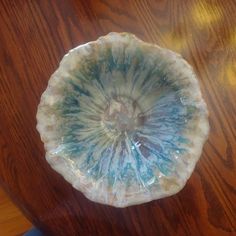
point(34, 35)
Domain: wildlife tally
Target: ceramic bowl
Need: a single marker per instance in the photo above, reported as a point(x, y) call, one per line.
point(123, 120)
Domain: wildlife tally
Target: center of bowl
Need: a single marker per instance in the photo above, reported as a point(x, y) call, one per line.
point(121, 115)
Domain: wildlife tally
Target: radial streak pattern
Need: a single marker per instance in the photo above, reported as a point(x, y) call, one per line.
point(123, 120)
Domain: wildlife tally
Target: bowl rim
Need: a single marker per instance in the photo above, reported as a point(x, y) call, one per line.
point(63, 167)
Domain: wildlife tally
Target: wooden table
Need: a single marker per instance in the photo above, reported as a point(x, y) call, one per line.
point(12, 222)
point(34, 37)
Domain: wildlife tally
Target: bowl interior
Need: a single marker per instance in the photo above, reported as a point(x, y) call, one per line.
point(120, 115)
point(124, 119)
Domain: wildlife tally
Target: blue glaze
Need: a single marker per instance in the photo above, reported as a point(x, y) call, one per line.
point(123, 120)
point(137, 152)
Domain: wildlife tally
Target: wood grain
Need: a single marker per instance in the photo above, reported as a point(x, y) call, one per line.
point(34, 37)
point(12, 222)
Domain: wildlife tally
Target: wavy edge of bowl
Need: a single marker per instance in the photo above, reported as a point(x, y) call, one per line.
point(65, 169)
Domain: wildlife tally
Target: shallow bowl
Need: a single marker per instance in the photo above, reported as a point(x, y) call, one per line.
point(123, 120)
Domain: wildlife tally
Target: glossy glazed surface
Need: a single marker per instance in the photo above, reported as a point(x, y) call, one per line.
point(122, 120)
point(35, 35)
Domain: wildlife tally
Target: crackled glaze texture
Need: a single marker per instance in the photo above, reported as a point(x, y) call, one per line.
point(123, 120)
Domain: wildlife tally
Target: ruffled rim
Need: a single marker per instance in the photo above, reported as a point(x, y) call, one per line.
point(198, 137)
